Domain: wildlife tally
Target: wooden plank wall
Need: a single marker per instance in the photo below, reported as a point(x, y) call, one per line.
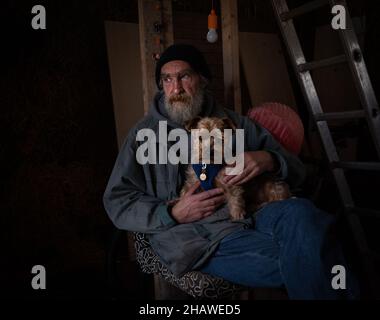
point(231, 65)
point(150, 13)
point(123, 48)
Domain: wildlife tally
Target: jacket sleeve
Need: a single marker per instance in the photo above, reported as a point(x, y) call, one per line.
point(125, 198)
point(291, 168)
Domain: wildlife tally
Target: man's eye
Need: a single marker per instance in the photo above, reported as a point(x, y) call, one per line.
point(185, 77)
point(167, 79)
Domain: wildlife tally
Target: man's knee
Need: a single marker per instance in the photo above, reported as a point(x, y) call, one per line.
point(302, 204)
point(292, 213)
point(301, 210)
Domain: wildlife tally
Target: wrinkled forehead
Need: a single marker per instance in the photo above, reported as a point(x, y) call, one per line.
point(175, 66)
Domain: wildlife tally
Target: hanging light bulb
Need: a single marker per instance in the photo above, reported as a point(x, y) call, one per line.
point(212, 35)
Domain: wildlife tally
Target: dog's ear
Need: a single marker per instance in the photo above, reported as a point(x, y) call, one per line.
point(229, 124)
point(192, 124)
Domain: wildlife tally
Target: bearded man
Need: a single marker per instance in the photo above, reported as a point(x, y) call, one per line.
point(284, 246)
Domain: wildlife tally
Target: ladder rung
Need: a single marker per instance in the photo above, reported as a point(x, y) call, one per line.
point(371, 166)
point(365, 212)
point(321, 63)
point(308, 7)
point(340, 115)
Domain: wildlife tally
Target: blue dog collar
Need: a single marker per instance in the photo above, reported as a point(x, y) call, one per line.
point(210, 171)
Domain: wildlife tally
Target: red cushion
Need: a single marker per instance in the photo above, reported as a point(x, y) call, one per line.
point(282, 122)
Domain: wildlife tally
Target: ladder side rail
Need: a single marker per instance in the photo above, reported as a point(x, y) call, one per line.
point(360, 75)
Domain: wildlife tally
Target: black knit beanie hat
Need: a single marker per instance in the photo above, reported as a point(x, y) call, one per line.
point(186, 53)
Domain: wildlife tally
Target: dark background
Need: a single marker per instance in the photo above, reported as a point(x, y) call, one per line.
point(58, 143)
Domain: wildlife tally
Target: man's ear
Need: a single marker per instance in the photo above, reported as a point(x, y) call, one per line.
point(192, 124)
point(229, 124)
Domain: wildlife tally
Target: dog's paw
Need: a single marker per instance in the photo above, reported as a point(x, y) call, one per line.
point(237, 214)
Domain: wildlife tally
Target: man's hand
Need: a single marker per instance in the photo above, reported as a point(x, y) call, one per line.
point(193, 207)
point(255, 163)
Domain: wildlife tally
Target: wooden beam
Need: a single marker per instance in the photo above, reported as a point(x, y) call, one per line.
point(153, 13)
point(231, 65)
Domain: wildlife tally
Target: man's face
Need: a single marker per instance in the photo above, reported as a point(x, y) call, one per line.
point(183, 91)
point(178, 77)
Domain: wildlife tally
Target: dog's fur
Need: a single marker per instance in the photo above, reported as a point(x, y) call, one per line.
point(240, 199)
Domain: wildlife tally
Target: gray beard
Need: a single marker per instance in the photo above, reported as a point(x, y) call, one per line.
point(182, 107)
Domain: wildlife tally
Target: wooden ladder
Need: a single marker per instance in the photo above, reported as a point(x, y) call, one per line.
point(369, 111)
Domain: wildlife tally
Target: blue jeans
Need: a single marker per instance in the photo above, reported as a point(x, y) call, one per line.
point(291, 245)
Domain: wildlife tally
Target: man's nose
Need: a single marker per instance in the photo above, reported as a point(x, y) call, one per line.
point(178, 86)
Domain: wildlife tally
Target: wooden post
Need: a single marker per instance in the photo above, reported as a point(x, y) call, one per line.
point(156, 34)
point(231, 65)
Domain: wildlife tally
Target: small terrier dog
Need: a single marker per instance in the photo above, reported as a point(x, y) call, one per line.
point(240, 199)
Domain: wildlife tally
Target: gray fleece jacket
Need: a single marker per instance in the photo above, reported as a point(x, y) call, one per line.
point(136, 195)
